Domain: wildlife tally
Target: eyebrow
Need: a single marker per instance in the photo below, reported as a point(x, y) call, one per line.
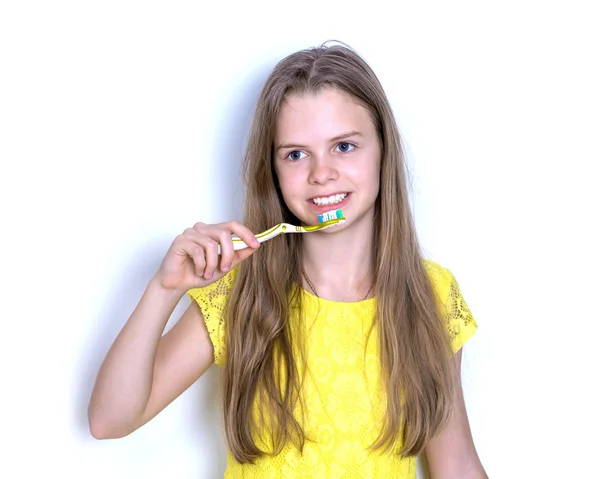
point(332, 140)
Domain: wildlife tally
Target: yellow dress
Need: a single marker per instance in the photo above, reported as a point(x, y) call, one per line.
point(344, 405)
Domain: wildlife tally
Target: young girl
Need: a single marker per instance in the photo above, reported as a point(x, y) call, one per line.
point(340, 348)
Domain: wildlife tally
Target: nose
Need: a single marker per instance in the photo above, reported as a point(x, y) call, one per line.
point(322, 170)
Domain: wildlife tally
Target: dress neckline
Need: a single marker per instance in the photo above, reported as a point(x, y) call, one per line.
point(312, 297)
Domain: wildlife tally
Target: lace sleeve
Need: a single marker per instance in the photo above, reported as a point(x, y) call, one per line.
point(212, 301)
point(459, 320)
point(461, 324)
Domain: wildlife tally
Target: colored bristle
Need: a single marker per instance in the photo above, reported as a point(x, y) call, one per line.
point(331, 215)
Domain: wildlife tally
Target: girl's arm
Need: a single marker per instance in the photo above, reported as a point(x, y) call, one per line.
point(144, 372)
point(451, 454)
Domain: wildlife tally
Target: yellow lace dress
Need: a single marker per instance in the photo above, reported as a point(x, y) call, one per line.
point(344, 404)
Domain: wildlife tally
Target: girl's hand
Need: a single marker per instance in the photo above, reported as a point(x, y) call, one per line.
point(192, 260)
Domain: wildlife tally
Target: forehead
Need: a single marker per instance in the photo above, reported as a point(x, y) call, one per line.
point(321, 115)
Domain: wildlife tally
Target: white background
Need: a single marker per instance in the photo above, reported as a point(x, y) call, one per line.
point(122, 123)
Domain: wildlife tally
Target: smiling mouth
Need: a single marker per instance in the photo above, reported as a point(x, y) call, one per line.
point(329, 200)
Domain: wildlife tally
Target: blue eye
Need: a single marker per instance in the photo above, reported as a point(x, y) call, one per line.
point(295, 155)
point(344, 147)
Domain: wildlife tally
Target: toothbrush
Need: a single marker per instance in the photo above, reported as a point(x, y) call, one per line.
point(326, 220)
point(331, 215)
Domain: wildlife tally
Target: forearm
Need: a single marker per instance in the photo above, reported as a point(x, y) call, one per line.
point(124, 382)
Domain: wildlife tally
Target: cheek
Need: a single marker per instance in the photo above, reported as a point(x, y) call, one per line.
point(371, 175)
point(287, 189)
point(377, 164)
point(291, 192)
point(282, 181)
point(288, 183)
point(377, 170)
point(366, 171)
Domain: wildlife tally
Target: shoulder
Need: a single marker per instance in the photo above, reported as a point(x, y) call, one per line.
point(440, 276)
point(443, 281)
point(434, 268)
point(459, 320)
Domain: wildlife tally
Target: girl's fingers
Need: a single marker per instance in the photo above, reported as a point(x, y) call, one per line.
point(243, 233)
point(227, 253)
point(189, 247)
point(210, 237)
point(198, 258)
point(241, 255)
point(208, 249)
point(212, 258)
point(222, 234)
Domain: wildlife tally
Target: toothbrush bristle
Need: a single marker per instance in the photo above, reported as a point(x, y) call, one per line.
point(331, 215)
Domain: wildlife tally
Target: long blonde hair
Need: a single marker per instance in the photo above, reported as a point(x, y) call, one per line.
point(416, 361)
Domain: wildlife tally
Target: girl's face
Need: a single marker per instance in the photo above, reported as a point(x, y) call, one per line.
point(327, 156)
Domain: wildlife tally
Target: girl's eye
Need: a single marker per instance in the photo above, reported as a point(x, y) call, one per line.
point(344, 147)
point(296, 155)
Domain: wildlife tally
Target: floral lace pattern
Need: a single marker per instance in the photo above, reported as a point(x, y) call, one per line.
point(459, 320)
point(344, 403)
point(212, 301)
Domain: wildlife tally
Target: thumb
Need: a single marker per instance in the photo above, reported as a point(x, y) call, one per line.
point(242, 255)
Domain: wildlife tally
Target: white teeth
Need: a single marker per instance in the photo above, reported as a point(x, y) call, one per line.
point(330, 200)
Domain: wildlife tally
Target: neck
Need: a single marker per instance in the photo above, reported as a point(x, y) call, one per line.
point(339, 265)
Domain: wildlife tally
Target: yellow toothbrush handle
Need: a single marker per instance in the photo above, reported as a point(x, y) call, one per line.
point(261, 237)
point(280, 229)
